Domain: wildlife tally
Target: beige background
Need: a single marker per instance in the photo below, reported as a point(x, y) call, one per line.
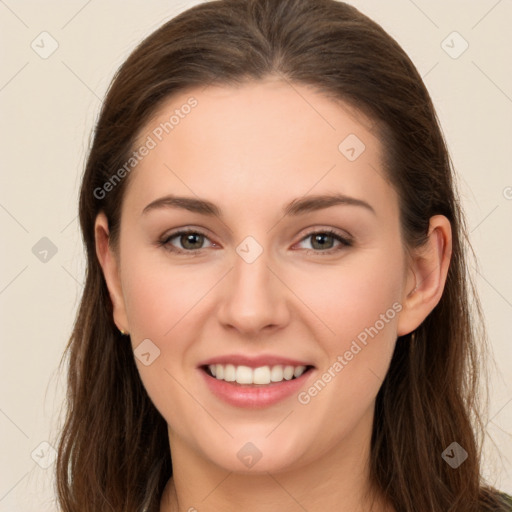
point(48, 107)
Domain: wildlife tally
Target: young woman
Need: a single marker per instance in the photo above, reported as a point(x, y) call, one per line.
point(276, 315)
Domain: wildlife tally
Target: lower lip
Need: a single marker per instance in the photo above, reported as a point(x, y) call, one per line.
point(254, 396)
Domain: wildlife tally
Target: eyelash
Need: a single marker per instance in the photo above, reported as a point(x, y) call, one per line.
point(345, 242)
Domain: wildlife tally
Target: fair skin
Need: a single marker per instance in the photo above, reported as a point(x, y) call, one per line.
point(251, 150)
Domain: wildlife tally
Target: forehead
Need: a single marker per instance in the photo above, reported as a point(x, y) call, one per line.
point(270, 138)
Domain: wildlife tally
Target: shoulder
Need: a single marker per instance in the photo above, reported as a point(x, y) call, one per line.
point(494, 500)
point(507, 500)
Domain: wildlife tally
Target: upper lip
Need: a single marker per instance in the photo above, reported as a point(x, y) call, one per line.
point(253, 362)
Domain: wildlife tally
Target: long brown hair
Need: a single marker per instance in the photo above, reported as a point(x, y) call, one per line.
point(113, 451)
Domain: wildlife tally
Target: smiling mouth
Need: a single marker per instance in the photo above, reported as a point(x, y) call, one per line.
point(264, 376)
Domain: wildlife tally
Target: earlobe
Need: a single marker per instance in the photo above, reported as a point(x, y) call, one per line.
point(110, 266)
point(428, 271)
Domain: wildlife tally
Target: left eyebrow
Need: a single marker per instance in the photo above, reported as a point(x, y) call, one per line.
point(296, 207)
point(319, 202)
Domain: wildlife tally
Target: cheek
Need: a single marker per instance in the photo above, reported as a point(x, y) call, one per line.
point(159, 295)
point(161, 300)
point(353, 296)
point(357, 312)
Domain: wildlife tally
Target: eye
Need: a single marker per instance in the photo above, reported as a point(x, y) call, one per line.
point(189, 239)
point(321, 241)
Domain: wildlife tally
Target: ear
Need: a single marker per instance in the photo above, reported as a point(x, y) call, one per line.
point(110, 266)
point(427, 273)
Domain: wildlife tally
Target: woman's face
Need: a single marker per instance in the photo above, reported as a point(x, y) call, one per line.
point(262, 282)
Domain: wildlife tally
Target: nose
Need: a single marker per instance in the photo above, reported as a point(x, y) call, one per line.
point(254, 297)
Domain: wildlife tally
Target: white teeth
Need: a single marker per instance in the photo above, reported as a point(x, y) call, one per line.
point(243, 375)
point(260, 375)
point(288, 372)
point(229, 373)
point(298, 371)
point(276, 374)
